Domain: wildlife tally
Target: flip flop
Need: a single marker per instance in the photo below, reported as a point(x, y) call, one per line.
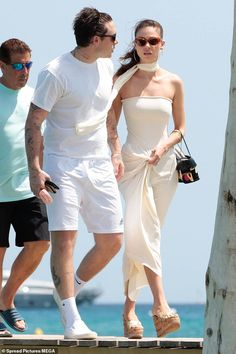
point(11, 316)
point(4, 331)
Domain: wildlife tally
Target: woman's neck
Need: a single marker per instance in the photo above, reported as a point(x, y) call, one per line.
point(151, 67)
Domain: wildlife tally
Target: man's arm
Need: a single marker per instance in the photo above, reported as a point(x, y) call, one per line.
point(33, 145)
point(114, 143)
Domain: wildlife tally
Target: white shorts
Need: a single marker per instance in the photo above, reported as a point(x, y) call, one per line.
point(88, 187)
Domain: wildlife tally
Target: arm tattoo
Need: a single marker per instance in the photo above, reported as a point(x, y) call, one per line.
point(33, 135)
point(33, 107)
point(111, 129)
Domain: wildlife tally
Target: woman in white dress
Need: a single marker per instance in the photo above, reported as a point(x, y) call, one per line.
point(150, 96)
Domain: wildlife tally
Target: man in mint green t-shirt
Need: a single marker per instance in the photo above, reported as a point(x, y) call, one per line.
point(19, 208)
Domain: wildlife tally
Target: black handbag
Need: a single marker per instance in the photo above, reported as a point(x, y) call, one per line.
point(186, 165)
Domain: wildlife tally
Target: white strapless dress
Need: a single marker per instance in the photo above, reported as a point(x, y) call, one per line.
point(147, 121)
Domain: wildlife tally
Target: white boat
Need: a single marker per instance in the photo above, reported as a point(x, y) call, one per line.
point(38, 293)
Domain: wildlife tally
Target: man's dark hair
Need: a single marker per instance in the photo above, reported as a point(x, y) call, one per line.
point(12, 46)
point(89, 22)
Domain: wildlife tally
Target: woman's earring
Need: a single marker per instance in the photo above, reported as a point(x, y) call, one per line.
point(136, 57)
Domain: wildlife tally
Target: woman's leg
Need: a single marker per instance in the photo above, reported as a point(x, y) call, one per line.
point(163, 192)
point(133, 328)
point(160, 304)
point(129, 310)
point(165, 320)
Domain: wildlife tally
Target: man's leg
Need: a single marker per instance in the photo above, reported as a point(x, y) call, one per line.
point(62, 269)
point(24, 265)
point(2, 254)
point(3, 330)
point(105, 248)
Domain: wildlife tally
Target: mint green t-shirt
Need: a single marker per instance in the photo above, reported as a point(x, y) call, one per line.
point(14, 178)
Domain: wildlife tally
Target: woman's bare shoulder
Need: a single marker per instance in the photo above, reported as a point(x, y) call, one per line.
point(172, 76)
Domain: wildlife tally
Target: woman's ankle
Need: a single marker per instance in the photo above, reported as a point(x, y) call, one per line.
point(161, 309)
point(130, 315)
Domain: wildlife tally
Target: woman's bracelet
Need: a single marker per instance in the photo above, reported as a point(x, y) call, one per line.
point(112, 155)
point(179, 132)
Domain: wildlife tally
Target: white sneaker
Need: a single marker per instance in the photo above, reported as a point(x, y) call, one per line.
point(58, 302)
point(79, 330)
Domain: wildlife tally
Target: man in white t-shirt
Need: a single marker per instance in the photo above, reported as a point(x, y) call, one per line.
point(73, 93)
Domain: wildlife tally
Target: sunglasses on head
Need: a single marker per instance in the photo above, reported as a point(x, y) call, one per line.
point(141, 41)
point(21, 66)
point(112, 36)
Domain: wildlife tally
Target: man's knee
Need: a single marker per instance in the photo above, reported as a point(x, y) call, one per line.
point(118, 240)
point(37, 247)
point(63, 241)
point(113, 243)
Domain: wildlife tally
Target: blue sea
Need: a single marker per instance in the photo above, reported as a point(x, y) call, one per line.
point(106, 320)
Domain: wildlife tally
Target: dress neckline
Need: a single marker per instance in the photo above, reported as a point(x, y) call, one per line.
point(146, 97)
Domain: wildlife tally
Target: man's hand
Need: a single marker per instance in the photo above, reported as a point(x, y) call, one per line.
point(118, 165)
point(45, 196)
point(37, 185)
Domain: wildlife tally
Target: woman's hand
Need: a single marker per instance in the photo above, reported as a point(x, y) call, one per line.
point(156, 154)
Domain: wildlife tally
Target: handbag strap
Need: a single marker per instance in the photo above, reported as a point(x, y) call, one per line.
point(186, 145)
point(182, 138)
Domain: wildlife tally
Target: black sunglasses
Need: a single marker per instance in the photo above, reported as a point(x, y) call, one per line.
point(21, 66)
point(141, 41)
point(112, 36)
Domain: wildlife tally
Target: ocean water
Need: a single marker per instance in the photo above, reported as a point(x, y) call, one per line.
point(106, 320)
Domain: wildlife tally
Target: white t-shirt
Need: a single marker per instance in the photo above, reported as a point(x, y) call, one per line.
point(73, 92)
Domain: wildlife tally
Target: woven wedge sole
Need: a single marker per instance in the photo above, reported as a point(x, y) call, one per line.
point(166, 323)
point(133, 329)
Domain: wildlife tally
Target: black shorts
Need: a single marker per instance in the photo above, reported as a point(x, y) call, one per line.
point(28, 218)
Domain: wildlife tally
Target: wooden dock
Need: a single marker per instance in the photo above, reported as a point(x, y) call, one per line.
point(56, 344)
